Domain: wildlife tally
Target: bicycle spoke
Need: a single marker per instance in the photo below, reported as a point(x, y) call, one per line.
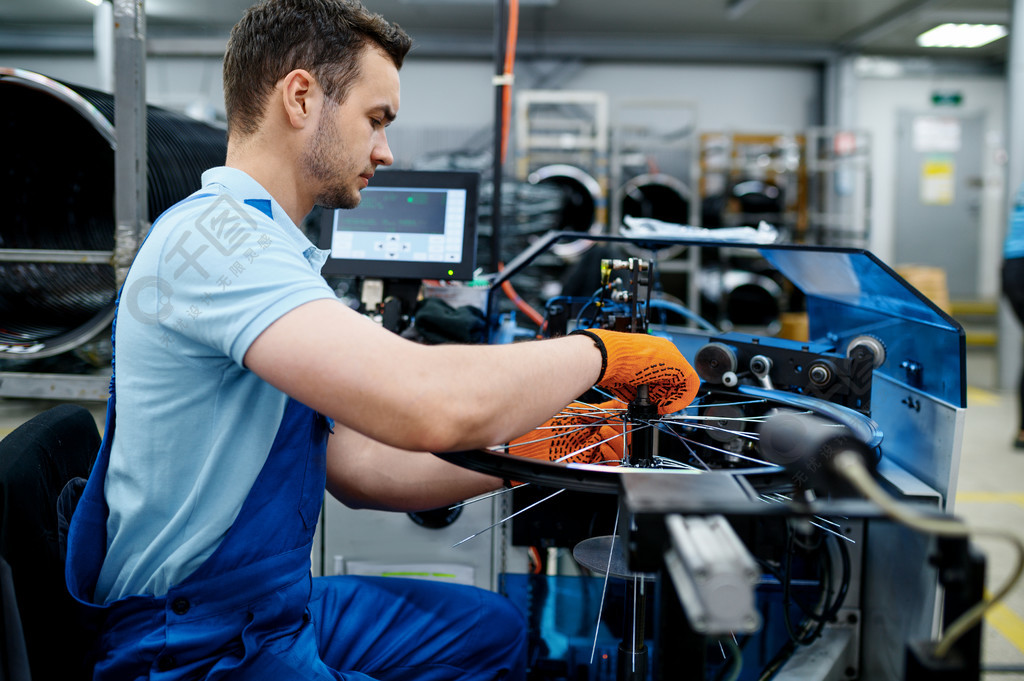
point(719, 430)
point(507, 518)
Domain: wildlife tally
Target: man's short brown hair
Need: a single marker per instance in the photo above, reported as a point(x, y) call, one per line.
point(325, 37)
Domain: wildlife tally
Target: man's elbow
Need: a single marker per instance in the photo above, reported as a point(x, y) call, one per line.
point(355, 498)
point(458, 429)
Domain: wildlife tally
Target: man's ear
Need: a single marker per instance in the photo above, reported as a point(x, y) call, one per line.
point(300, 96)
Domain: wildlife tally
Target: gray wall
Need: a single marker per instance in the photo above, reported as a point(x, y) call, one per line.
point(448, 93)
point(456, 97)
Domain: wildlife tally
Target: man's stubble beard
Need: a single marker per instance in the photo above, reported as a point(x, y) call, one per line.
point(335, 191)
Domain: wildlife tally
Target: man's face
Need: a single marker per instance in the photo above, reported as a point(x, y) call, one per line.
point(349, 141)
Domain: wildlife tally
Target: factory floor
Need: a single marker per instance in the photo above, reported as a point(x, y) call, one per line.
point(990, 493)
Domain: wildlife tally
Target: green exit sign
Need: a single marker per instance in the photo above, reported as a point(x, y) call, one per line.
point(947, 98)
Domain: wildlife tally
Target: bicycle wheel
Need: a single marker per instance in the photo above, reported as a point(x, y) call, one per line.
point(718, 432)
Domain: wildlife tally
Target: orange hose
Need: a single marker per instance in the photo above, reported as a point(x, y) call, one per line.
point(524, 307)
point(535, 561)
point(511, 37)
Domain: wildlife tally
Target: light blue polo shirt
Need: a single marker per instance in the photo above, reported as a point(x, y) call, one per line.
point(194, 427)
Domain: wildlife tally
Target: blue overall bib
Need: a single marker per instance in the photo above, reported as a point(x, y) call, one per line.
point(253, 611)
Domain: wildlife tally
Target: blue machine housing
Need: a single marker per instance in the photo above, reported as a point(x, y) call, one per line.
point(850, 293)
point(920, 390)
point(918, 399)
point(917, 392)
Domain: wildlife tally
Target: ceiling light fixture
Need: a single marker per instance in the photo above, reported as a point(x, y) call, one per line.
point(95, 2)
point(961, 35)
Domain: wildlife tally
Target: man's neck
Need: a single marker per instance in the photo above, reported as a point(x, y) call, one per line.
point(276, 174)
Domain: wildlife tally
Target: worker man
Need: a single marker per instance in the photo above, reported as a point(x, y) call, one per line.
point(243, 386)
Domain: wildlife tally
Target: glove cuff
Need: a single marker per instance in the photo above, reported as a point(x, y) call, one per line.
point(600, 346)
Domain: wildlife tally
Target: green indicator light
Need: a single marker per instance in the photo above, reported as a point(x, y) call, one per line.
point(451, 272)
point(410, 200)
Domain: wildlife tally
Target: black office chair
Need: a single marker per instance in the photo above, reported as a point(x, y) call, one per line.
point(13, 653)
point(37, 460)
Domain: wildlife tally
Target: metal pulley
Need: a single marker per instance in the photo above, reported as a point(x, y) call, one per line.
point(716, 363)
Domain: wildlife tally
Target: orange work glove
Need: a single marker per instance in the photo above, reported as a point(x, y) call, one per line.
point(613, 445)
point(632, 359)
point(580, 433)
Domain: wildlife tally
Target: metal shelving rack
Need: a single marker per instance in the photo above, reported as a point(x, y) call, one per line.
point(662, 153)
point(727, 159)
point(767, 161)
point(666, 150)
point(130, 208)
point(565, 133)
point(562, 126)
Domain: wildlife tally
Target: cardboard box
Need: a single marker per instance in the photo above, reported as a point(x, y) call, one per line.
point(931, 281)
point(794, 326)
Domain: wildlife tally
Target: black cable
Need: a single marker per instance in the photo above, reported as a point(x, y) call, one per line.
point(812, 625)
point(784, 654)
point(787, 575)
point(500, 25)
point(844, 585)
point(596, 299)
point(828, 609)
point(825, 578)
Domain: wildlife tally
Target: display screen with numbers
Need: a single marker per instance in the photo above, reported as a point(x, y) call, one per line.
point(410, 224)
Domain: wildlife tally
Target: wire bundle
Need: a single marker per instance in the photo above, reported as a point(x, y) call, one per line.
point(57, 188)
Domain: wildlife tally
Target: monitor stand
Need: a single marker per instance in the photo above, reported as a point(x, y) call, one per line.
point(392, 300)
